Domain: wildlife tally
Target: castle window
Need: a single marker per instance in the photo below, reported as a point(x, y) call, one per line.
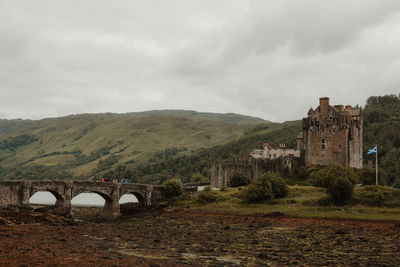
point(340, 146)
point(323, 146)
point(323, 143)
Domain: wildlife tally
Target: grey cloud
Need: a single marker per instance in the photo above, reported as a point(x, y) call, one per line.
point(292, 27)
point(62, 57)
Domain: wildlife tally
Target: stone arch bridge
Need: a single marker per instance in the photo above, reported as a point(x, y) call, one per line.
point(19, 192)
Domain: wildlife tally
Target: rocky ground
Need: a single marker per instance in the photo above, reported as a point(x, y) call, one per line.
point(162, 237)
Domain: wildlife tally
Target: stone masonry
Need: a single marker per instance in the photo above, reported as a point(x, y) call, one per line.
point(221, 173)
point(332, 134)
point(19, 193)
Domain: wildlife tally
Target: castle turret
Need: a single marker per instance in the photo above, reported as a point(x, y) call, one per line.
point(332, 135)
point(323, 107)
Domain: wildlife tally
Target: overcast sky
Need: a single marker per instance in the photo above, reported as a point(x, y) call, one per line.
point(271, 59)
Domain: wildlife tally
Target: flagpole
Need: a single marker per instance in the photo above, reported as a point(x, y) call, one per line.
point(376, 164)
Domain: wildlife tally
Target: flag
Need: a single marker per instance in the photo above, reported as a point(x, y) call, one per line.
point(372, 151)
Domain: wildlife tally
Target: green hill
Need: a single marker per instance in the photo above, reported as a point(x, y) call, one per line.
point(159, 169)
point(381, 126)
point(79, 146)
point(152, 146)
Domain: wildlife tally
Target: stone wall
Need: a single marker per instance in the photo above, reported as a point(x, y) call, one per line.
point(221, 173)
point(332, 134)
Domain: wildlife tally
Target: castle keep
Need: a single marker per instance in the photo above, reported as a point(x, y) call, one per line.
point(332, 134)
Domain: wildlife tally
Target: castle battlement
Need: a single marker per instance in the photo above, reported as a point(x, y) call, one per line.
point(332, 134)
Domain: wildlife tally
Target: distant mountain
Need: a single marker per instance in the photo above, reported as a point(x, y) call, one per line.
point(226, 117)
point(7, 126)
point(80, 146)
point(155, 145)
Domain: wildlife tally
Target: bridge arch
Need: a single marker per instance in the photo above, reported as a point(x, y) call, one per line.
point(90, 198)
point(140, 198)
point(59, 199)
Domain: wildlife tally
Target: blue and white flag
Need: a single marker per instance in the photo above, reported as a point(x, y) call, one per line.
point(372, 151)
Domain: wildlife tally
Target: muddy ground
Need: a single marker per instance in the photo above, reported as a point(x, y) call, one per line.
point(163, 237)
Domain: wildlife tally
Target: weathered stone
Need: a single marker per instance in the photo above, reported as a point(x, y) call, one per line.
point(332, 134)
point(19, 193)
point(221, 173)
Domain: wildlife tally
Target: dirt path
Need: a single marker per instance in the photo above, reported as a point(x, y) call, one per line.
point(195, 238)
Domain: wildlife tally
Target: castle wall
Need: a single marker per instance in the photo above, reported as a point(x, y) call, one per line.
point(221, 173)
point(334, 151)
point(332, 135)
point(356, 145)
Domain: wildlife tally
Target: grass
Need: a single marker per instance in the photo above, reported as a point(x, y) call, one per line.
point(136, 135)
point(297, 204)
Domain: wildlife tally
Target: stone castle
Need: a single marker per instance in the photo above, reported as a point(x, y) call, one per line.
point(331, 134)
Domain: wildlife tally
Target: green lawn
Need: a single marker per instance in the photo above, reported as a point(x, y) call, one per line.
point(299, 203)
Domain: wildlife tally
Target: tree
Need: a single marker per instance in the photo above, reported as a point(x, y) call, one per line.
point(172, 188)
point(199, 178)
point(239, 179)
point(368, 176)
point(268, 186)
point(336, 180)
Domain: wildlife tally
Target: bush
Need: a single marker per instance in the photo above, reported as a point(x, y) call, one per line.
point(340, 189)
point(199, 178)
point(239, 179)
point(267, 186)
point(368, 176)
point(172, 188)
point(279, 186)
point(336, 179)
point(207, 196)
point(301, 173)
point(396, 183)
point(373, 195)
point(255, 193)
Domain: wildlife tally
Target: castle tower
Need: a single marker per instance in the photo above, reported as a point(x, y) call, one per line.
point(332, 134)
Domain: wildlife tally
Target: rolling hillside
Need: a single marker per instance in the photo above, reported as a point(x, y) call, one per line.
point(381, 126)
point(79, 146)
point(152, 146)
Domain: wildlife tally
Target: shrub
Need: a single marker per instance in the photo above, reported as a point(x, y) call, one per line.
point(396, 183)
point(340, 189)
point(172, 188)
point(373, 195)
point(239, 179)
point(267, 186)
point(368, 176)
point(279, 186)
point(336, 180)
point(255, 193)
point(207, 196)
point(199, 178)
point(301, 173)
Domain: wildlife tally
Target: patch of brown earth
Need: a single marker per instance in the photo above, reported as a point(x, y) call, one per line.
point(197, 238)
